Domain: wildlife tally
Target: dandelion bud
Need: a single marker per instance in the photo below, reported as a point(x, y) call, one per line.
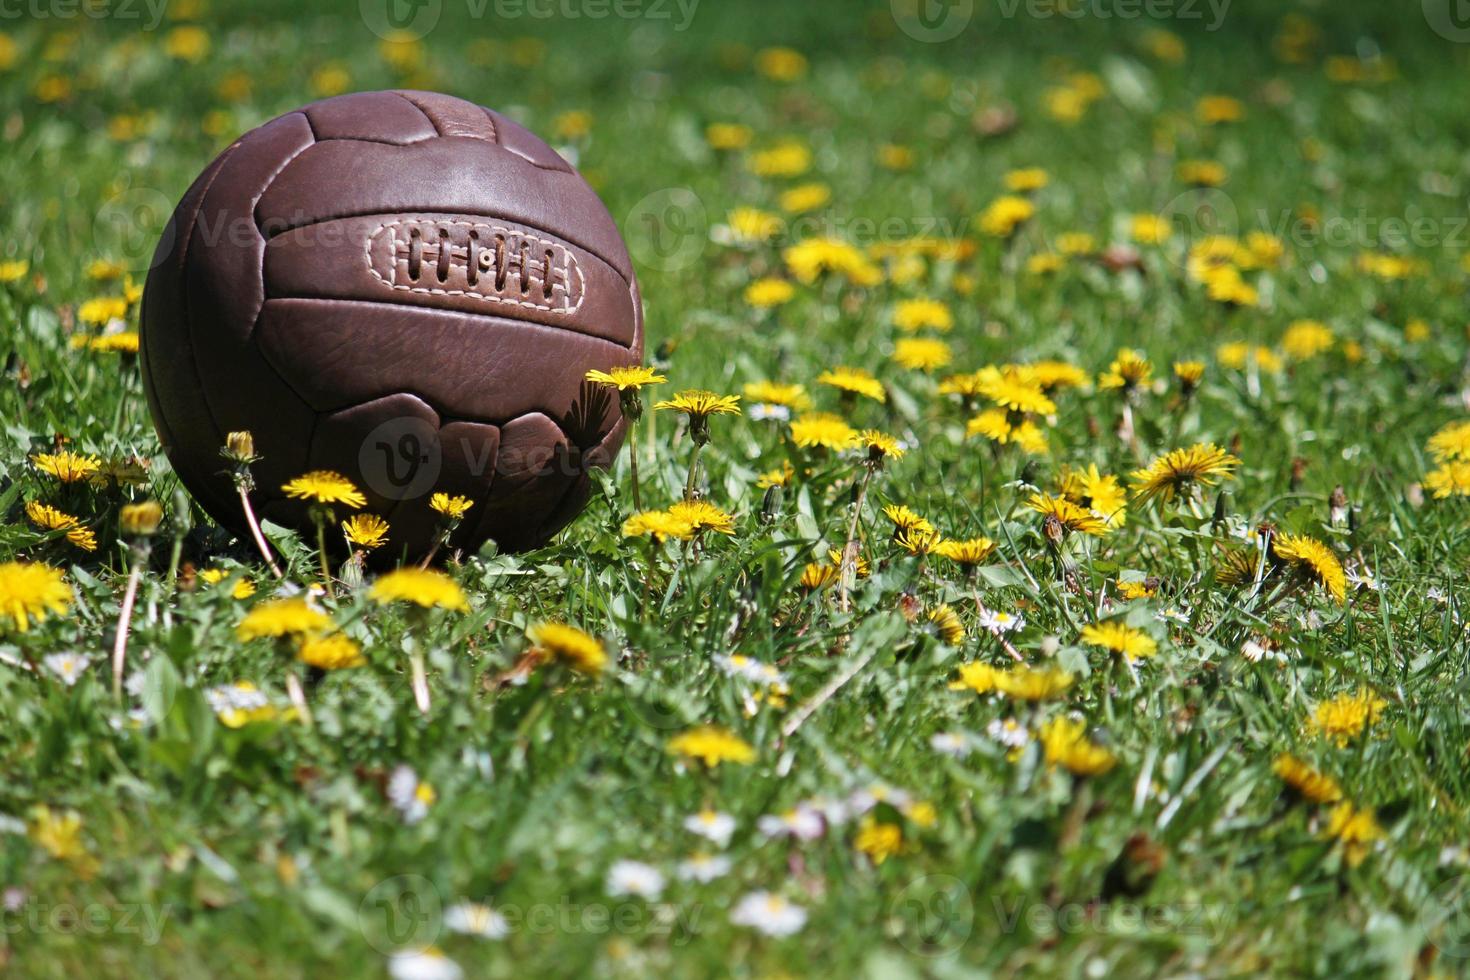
point(240, 448)
point(1337, 504)
point(141, 520)
point(771, 504)
point(631, 403)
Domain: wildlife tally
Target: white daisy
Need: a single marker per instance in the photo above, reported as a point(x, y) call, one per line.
point(1008, 732)
point(423, 964)
point(410, 796)
point(1000, 622)
point(712, 825)
point(800, 822)
point(704, 868)
point(865, 799)
point(953, 744)
point(768, 913)
point(761, 412)
point(474, 919)
point(634, 878)
point(68, 667)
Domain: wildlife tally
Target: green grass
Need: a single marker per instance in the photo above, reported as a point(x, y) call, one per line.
point(271, 850)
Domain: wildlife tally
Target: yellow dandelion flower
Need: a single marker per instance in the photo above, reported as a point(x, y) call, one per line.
point(703, 516)
point(1356, 828)
point(1189, 374)
point(892, 156)
point(424, 587)
point(1305, 339)
point(366, 530)
point(1313, 560)
point(1076, 243)
point(1098, 492)
point(854, 380)
point(324, 487)
point(1015, 391)
point(752, 226)
point(912, 315)
point(1044, 264)
point(1180, 471)
point(66, 466)
point(1212, 110)
point(823, 430)
point(712, 745)
point(334, 651)
point(1304, 781)
point(122, 342)
point(1202, 173)
point(1003, 216)
point(947, 624)
point(29, 592)
point(773, 393)
point(967, 551)
point(877, 839)
point(451, 506)
point(776, 478)
point(1149, 229)
point(579, 650)
point(1064, 742)
point(1237, 355)
point(780, 64)
point(788, 159)
point(1451, 442)
point(699, 404)
point(905, 519)
point(1026, 179)
point(103, 310)
point(49, 518)
point(630, 378)
point(918, 542)
point(1120, 638)
point(921, 353)
point(818, 576)
point(880, 445)
point(808, 260)
point(1347, 716)
point(766, 293)
point(728, 136)
point(1067, 515)
point(282, 617)
point(1000, 426)
point(661, 525)
point(805, 197)
point(1129, 371)
point(1450, 480)
point(1052, 375)
point(14, 270)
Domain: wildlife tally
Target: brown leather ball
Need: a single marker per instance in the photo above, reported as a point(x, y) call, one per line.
point(405, 288)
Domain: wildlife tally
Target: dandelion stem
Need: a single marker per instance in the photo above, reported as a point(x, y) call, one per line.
point(633, 462)
point(420, 679)
point(693, 471)
point(265, 551)
point(321, 547)
point(124, 622)
point(847, 570)
point(297, 696)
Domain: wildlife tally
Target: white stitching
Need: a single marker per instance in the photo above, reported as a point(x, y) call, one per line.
point(545, 308)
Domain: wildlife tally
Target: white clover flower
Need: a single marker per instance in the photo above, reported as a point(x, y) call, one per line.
point(704, 868)
point(635, 878)
point(768, 913)
point(762, 412)
point(712, 825)
point(474, 919)
point(1008, 732)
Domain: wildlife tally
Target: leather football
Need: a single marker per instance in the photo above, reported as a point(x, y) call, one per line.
point(405, 288)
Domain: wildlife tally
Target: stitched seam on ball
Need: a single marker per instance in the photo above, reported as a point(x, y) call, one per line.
point(563, 311)
point(423, 112)
point(494, 129)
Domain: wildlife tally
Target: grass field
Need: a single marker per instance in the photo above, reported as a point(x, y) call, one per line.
point(1157, 328)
